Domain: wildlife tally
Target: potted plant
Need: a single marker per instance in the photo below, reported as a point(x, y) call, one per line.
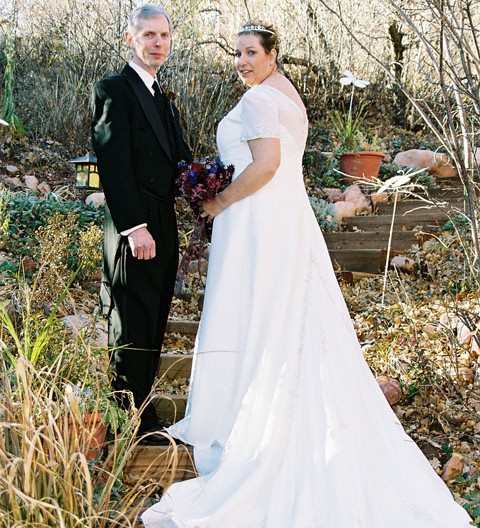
point(357, 161)
point(92, 410)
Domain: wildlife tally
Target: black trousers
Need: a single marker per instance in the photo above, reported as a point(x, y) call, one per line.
point(140, 294)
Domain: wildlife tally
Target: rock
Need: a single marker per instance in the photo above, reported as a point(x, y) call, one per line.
point(453, 468)
point(449, 320)
point(403, 264)
point(76, 322)
point(31, 182)
point(437, 163)
point(44, 188)
point(193, 266)
point(466, 375)
point(391, 388)
point(101, 333)
point(28, 264)
point(354, 194)
point(343, 209)
point(13, 182)
point(378, 198)
point(464, 334)
point(6, 258)
point(96, 276)
point(333, 194)
point(11, 169)
point(430, 330)
point(96, 199)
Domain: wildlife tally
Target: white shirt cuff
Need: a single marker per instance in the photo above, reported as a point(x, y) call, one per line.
point(131, 230)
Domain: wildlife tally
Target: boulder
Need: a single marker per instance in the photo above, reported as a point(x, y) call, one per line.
point(354, 194)
point(343, 209)
point(13, 182)
point(391, 388)
point(96, 199)
point(28, 264)
point(333, 194)
point(437, 163)
point(31, 182)
point(403, 263)
point(76, 322)
point(195, 264)
point(453, 468)
point(11, 169)
point(44, 188)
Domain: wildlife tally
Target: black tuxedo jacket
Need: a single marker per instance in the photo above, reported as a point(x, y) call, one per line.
point(132, 146)
point(137, 167)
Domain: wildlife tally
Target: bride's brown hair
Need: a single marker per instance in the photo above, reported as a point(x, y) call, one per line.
point(268, 35)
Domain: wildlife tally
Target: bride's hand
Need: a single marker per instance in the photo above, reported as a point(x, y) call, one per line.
point(211, 208)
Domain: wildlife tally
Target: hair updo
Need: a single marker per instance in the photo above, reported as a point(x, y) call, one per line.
point(266, 32)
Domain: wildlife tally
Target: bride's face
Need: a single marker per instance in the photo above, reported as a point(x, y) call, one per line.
point(252, 62)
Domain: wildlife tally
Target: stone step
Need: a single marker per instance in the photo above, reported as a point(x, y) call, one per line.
point(430, 222)
point(164, 464)
point(356, 240)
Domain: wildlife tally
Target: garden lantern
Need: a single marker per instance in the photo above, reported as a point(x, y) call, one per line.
point(86, 173)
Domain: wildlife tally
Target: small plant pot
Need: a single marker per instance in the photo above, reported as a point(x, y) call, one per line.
point(360, 166)
point(91, 433)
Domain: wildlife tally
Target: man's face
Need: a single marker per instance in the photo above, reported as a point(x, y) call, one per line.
point(150, 42)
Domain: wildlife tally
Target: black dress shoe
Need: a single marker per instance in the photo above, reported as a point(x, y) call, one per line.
point(154, 439)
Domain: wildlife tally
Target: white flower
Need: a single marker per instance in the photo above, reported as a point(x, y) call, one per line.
point(348, 78)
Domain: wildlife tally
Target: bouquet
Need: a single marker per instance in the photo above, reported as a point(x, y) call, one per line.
point(198, 181)
point(202, 180)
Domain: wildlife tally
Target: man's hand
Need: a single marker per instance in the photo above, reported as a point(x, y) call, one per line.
point(142, 244)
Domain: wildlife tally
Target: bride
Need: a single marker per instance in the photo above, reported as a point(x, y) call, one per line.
point(278, 440)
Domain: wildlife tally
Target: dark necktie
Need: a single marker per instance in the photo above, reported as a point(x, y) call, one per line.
point(165, 114)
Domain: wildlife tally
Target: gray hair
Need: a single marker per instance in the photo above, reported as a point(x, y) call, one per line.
point(145, 11)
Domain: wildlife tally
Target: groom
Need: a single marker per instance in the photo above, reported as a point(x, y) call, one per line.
point(137, 138)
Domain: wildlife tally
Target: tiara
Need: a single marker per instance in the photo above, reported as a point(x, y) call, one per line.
point(262, 29)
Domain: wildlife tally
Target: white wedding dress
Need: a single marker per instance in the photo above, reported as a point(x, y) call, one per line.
point(289, 427)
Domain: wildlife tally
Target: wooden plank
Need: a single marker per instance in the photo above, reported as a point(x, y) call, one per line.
point(350, 277)
point(402, 222)
point(364, 260)
point(418, 206)
point(170, 407)
point(165, 464)
point(182, 327)
point(445, 192)
point(353, 240)
point(175, 366)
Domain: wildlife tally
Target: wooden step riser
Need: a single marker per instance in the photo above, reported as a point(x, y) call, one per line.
point(364, 260)
point(401, 223)
point(349, 240)
point(164, 464)
point(170, 407)
point(415, 206)
point(175, 366)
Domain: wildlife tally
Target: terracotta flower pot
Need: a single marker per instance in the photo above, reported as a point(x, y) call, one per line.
point(91, 433)
point(362, 165)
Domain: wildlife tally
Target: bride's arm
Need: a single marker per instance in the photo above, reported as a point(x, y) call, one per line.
point(265, 162)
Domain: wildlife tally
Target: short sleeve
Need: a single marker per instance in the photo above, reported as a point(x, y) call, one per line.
point(259, 115)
